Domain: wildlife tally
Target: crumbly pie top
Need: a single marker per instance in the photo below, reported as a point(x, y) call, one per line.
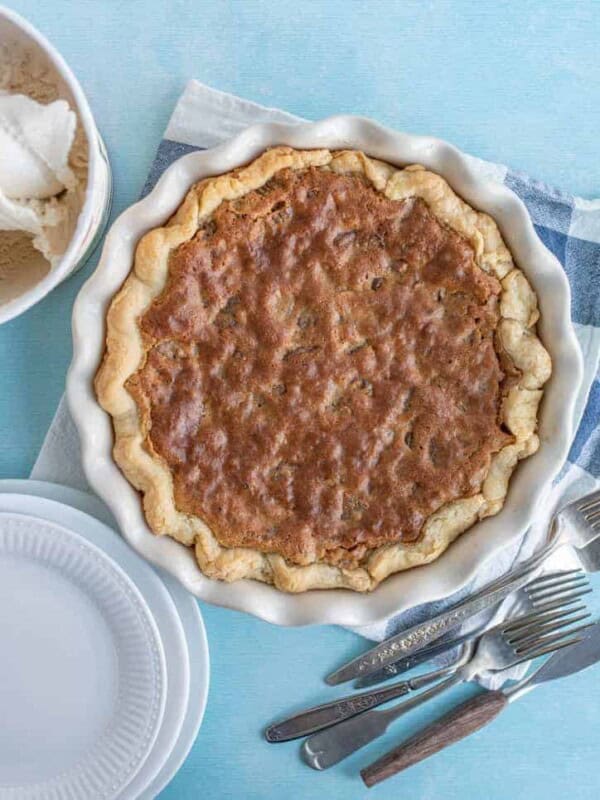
point(322, 370)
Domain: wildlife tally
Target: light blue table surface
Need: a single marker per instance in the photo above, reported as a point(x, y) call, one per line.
point(512, 82)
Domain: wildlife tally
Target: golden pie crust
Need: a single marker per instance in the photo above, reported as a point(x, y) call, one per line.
point(322, 370)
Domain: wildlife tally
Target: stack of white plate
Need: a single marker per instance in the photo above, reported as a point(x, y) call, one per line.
point(104, 662)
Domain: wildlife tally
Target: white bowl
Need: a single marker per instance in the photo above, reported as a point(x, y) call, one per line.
point(403, 590)
point(98, 195)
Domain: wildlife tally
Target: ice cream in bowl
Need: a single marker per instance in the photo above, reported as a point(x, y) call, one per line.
point(55, 185)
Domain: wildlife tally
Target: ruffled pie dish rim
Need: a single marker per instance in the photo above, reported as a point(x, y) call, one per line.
point(402, 590)
point(514, 336)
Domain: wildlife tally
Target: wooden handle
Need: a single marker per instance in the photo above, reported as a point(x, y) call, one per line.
point(452, 727)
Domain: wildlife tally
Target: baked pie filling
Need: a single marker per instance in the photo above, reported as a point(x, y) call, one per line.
point(322, 370)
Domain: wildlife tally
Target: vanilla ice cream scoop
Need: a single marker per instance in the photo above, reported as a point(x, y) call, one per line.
point(55, 180)
point(35, 142)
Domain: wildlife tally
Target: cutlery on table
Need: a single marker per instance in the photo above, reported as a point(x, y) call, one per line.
point(577, 524)
point(546, 588)
point(554, 588)
point(510, 643)
point(327, 714)
point(481, 709)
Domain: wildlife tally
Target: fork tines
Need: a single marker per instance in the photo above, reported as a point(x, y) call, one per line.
point(592, 517)
point(547, 624)
point(589, 508)
point(558, 588)
point(550, 644)
point(553, 623)
point(590, 502)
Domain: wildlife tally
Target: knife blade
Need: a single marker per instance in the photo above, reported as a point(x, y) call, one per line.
point(565, 662)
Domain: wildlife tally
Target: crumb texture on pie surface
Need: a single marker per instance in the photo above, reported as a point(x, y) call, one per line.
point(322, 370)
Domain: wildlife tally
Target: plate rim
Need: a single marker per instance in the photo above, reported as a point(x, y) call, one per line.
point(56, 498)
point(110, 792)
point(460, 563)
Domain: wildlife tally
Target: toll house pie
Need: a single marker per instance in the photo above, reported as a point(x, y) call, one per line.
point(322, 370)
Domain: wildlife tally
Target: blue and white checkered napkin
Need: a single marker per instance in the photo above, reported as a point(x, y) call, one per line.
point(567, 225)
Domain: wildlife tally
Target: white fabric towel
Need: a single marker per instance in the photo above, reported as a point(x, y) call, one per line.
point(203, 118)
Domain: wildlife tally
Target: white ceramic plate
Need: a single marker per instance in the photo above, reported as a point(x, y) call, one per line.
point(174, 609)
point(470, 551)
point(82, 675)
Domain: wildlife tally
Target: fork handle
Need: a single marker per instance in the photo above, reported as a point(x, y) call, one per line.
point(323, 716)
point(423, 633)
point(452, 727)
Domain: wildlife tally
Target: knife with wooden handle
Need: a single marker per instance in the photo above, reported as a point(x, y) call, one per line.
point(452, 727)
point(477, 712)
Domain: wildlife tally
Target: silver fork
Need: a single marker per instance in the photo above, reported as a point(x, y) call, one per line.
point(551, 586)
point(506, 645)
point(552, 590)
point(577, 524)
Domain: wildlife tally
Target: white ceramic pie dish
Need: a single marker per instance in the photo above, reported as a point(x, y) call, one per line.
point(403, 590)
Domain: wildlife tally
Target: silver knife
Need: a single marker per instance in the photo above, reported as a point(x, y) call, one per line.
point(483, 708)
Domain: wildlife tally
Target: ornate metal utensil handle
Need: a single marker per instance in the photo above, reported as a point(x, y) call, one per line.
point(319, 717)
point(417, 637)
